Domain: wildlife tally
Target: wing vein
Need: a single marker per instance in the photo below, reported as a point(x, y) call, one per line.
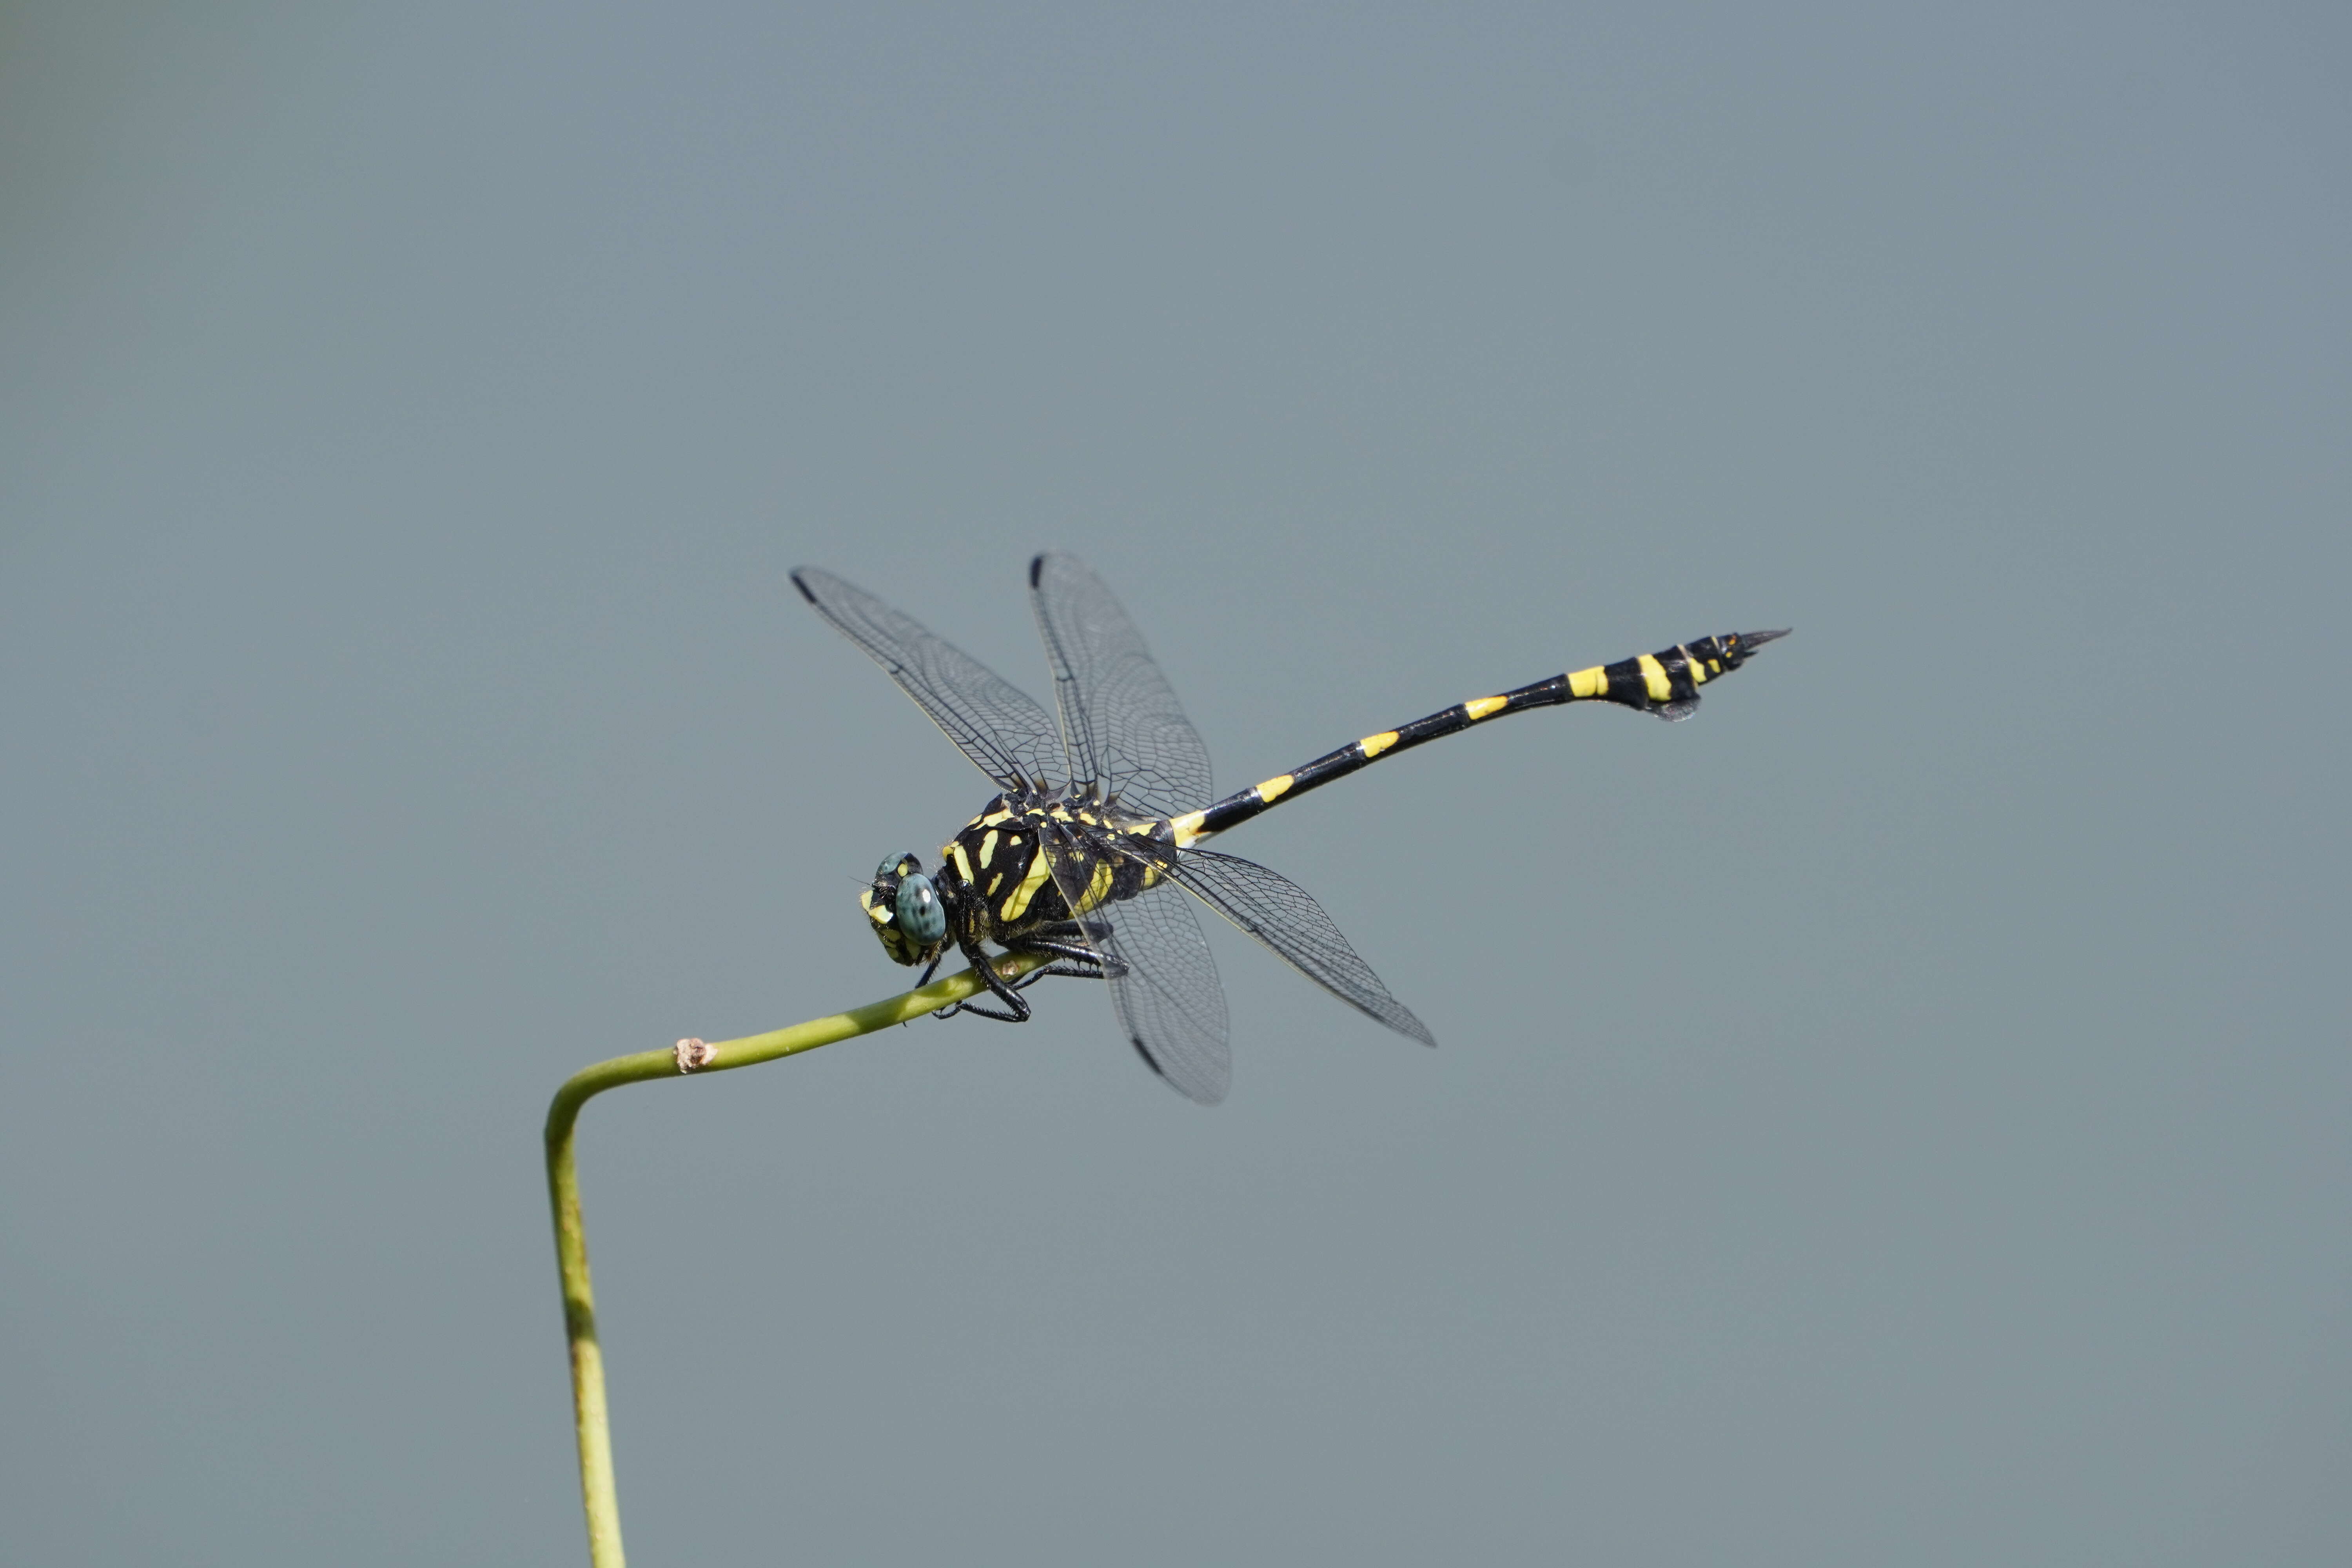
point(1281, 914)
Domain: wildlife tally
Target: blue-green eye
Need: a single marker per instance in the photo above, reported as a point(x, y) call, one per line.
point(921, 915)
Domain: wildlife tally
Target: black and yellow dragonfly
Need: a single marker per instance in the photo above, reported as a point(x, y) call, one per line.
point(1088, 853)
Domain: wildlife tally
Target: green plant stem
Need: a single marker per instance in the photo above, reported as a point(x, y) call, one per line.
point(590, 1414)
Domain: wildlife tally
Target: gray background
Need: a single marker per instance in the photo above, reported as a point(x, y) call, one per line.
point(1898, 1116)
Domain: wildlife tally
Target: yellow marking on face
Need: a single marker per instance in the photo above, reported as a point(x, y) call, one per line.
point(963, 864)
point(879, 916)
point(1017, 903)
point(1187, 828)
point(1653, 679)
point(1698, 669)
point(1274, 789)
point(988, 848)
point(1593, 682)
point(1374, 746)
point(1479, 707)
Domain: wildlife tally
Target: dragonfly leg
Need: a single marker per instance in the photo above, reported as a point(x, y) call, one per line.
point(1080, 959)
point(1072, 960)
point(1093, 963)
point(925, 979)
point(1017, 1006)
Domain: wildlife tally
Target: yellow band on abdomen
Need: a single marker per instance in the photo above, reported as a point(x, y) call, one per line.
point(1097, 889)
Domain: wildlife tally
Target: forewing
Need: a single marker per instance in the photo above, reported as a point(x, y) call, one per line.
point(1168, 1001)
point(1000, 727)
point(1281, 914)
point(1121, 721)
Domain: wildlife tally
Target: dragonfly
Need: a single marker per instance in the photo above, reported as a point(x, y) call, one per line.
point(1089, 856)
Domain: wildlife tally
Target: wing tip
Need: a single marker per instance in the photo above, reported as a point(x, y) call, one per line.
point(801, 582)
point(1061, 558)
point(1198, 1094)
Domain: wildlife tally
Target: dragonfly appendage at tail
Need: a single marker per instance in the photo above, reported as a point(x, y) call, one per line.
point(1667, 683)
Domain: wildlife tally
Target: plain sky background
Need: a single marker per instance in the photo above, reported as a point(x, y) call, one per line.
point(1899, 1116)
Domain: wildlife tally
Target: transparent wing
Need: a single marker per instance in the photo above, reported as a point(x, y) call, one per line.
point(1169, 1000)
point(1121, 722)
point(997, 725)
point(1281, 914)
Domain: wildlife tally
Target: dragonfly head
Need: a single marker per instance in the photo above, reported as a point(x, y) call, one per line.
point(905, 907)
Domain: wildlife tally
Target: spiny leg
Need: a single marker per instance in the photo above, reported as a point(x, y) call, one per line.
point(1072, 942)
point(983, 965)
point(1071, 962)
point(1091, 963)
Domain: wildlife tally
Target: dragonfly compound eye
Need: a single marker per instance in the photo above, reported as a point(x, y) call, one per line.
point(921, 915)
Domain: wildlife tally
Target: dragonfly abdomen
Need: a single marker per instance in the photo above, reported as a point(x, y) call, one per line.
point(1664, 684)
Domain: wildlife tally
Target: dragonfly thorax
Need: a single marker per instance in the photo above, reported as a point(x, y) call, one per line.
point(1030, 859)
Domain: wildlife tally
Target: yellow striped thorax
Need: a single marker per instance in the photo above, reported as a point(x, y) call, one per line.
point(1025, 861)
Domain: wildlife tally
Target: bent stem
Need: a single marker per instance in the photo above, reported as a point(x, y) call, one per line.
point(590, 1413)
